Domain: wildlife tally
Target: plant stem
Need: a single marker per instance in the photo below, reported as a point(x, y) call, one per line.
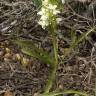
point(55, 62)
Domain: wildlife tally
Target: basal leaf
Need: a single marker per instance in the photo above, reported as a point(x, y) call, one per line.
point(30, 49)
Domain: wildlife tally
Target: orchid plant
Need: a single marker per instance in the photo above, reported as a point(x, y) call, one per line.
point(49, 18)
point(49, 10)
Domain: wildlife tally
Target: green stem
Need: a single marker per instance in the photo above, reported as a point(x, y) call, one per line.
point(55, 62)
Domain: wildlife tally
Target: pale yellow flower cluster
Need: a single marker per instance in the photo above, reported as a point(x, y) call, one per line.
point(46, 10)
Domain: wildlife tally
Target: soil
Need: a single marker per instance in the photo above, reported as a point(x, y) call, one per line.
point(24, 75)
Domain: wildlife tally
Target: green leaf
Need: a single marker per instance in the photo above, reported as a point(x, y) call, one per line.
point(76, 41)
point(37, 3)
point(65, 92)
point(30, 49)
point(83, 36)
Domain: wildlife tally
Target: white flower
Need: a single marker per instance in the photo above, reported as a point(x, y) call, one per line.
point(44, 17)
point(52, 7)
point(45, 2)
point(59, 20)
point(55, 12)
point(63, 1)
point(43, 24)
point(46, 11)
point(43, 11)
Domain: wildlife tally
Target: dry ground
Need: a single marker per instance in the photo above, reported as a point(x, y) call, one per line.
point(24, 75)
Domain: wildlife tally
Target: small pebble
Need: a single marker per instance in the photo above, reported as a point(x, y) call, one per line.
point(25, 61)
point(6, 60)
point(8, 55)
point(36, 94)
point(18, 57)
point(61, 87)
point(7, 50)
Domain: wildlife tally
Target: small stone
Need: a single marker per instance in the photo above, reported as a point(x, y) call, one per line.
point(6, 60)
point(7, 50)
point(18, 56)
point(36, 94)
point(8, 55)
point(25, 61)
point(61, 87)
point(8, 93)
